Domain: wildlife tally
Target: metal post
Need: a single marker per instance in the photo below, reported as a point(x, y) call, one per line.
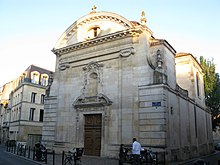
point(46, 157)
point(53, 157)
point(146, 157)
point(63, 157)
point(28, 151)
point(17, 149)
point(25, 148)
point(33, 153)
point(21, 148)
point(164, 159)
point(14, 149)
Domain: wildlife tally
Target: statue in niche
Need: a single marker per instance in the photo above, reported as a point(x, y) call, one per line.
point(92, 92)
point(92, 79)
point(92, 85)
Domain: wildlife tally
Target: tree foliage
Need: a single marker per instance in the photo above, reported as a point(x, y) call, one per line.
point(212, 89)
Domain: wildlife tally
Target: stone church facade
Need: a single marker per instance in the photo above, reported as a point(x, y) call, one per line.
point(114, 81)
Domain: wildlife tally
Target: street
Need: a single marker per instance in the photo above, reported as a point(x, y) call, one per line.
point(212, 159)
point(7, 158)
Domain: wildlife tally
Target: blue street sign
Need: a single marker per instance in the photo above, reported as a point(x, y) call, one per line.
point(156, 104)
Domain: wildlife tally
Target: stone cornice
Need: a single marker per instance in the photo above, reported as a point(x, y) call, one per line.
point(155, 42)
point(96, 41)
point(191, 59)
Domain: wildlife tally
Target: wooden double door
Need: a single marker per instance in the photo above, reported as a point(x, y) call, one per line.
point(92, 136)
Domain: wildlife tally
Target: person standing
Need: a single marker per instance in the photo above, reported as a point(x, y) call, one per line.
point(136, 150)
point(121, 154)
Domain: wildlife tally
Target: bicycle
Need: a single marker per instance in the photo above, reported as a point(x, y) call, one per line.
point(126, 156)
point(21, 149)
point(40, 152)
point(150, 157)
point(74, 156)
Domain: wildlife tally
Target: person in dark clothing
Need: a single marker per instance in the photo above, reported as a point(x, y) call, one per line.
point(121, 154)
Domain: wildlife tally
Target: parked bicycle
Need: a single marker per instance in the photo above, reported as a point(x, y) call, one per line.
point(149, 156)
point(74, 157)
point(125, 155)
point(40, 152)
point(146, 156)
point(21, 149)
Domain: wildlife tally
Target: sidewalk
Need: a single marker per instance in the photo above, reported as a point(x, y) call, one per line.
point(86, 160)
point(89, 160)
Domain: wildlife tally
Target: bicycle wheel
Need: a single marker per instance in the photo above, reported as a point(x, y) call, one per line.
point(68, 161)
point(78, 162)
point(43, 157)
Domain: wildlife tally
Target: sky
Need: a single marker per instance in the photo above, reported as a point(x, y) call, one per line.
point(29, 29)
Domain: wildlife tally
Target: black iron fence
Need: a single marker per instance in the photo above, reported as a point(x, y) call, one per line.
point(24, 151)
point(50, 156)
point(147, 157)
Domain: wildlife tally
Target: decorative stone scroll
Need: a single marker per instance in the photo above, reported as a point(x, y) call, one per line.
point(127, 52)
point(63, 66)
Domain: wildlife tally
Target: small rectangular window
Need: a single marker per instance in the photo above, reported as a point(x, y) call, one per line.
point(31, 115)
point(42, 99)
point(198, 84)
point(33, 97)
point(41, 115)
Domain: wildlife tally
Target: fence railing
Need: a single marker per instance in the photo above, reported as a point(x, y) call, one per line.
point(28, 152)
point(51, 158)
point(31, 153)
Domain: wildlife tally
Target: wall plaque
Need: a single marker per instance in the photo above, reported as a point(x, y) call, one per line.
point(156, 104)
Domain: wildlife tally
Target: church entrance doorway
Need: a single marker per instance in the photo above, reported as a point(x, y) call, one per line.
point(92, 137)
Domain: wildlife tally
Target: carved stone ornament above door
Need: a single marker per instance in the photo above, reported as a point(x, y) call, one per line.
point(92, 101)
point(92, 91)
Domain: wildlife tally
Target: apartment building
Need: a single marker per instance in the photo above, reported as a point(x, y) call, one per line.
point(26, 105)
point(4, 112)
